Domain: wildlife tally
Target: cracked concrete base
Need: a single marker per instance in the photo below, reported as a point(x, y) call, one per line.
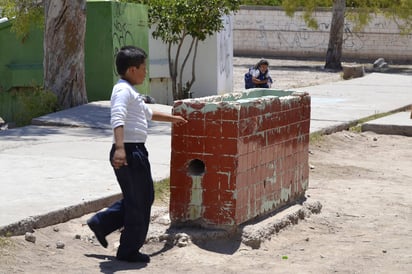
point(251, 234)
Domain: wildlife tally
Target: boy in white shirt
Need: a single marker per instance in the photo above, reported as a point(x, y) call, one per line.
point(129, 158)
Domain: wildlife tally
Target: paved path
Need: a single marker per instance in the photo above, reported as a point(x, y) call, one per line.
point(58, 168)
point(343, 102)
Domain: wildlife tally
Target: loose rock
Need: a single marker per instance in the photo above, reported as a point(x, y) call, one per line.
point(30, 237)
point(182, 239)
point(60, 245)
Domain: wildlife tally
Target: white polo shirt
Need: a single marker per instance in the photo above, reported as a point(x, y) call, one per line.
point(130, 111)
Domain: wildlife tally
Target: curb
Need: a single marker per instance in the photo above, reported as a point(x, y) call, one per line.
point(347, 125)
point(58, 216)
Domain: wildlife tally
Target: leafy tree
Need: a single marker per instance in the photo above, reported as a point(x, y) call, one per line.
point(29, 13)
point(358, 11)
point(262, 2)
point(65, 27)
point(178, 21)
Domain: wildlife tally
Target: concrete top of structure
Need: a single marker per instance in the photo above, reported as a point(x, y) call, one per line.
point(236, 100)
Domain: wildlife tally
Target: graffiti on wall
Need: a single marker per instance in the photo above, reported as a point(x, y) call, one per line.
point(121, 34)
point(225, 51)
point(121, 29)
point(279, 32)
point(292, 36)
point(126, 30)
point(130, 27)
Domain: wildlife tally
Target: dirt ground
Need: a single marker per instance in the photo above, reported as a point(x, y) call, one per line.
point(362, 181)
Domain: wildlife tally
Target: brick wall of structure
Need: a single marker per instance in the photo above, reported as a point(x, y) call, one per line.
point(241, 155)
point(268, 31)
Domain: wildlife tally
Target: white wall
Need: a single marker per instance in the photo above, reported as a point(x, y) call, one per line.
point(160, 83)
point(214, 66)
point(269, 31)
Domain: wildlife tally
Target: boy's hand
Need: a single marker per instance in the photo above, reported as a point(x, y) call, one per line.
point(119, 158)
point(178, 120)
point(166, 117)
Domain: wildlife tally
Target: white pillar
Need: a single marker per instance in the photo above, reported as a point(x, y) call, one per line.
point(214, 66)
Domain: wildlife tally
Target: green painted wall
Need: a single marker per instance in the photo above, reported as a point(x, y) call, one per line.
point(21, 60)
point(109, 26)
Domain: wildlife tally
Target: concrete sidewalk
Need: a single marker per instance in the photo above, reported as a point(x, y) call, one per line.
point(339, 104)
point(58, 168)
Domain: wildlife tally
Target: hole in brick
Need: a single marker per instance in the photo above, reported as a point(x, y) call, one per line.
point(196, 167)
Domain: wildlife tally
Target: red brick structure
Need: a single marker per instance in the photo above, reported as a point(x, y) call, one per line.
point(240, 156)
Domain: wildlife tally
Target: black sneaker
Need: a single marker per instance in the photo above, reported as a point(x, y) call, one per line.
point(134, 258)
point(99, 235)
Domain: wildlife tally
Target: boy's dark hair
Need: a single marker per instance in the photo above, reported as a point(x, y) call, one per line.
point(261, 62)
point(129, 56)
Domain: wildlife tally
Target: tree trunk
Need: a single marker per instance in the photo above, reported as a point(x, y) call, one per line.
point(64, 36)
point(334, 53)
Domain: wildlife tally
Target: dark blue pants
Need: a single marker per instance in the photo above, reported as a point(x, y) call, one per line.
point(133, 211)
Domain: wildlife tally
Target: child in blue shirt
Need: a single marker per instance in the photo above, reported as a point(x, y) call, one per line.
point(258, 76)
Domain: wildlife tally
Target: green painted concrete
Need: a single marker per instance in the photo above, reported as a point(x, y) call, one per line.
point(196, 200)
point(109, 26)
point(285, 193)
point(21, 60)
point(236, 100)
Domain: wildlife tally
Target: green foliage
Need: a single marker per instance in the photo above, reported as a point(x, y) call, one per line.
point(177, 21)
point(5, 242)
point(162, 191)
point(358, 126)
point(20, 106)
point(315, 137)
point(197, 18)
point(262, 2)
point(27, 13)
point(178, 18)
point(308, 7)
point(400, 11)
point(357, 11)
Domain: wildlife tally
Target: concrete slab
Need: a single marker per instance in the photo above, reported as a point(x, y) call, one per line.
point(396, 124)
point(46, 168)
point(347, 101)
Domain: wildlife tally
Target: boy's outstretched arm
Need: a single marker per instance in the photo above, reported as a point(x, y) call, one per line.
point(165, 117)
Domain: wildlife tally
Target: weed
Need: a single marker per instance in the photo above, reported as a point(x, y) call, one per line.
point(315, 137)
point(5, 242)
point(20, 106)
point(162, 191)
point(358, 126)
